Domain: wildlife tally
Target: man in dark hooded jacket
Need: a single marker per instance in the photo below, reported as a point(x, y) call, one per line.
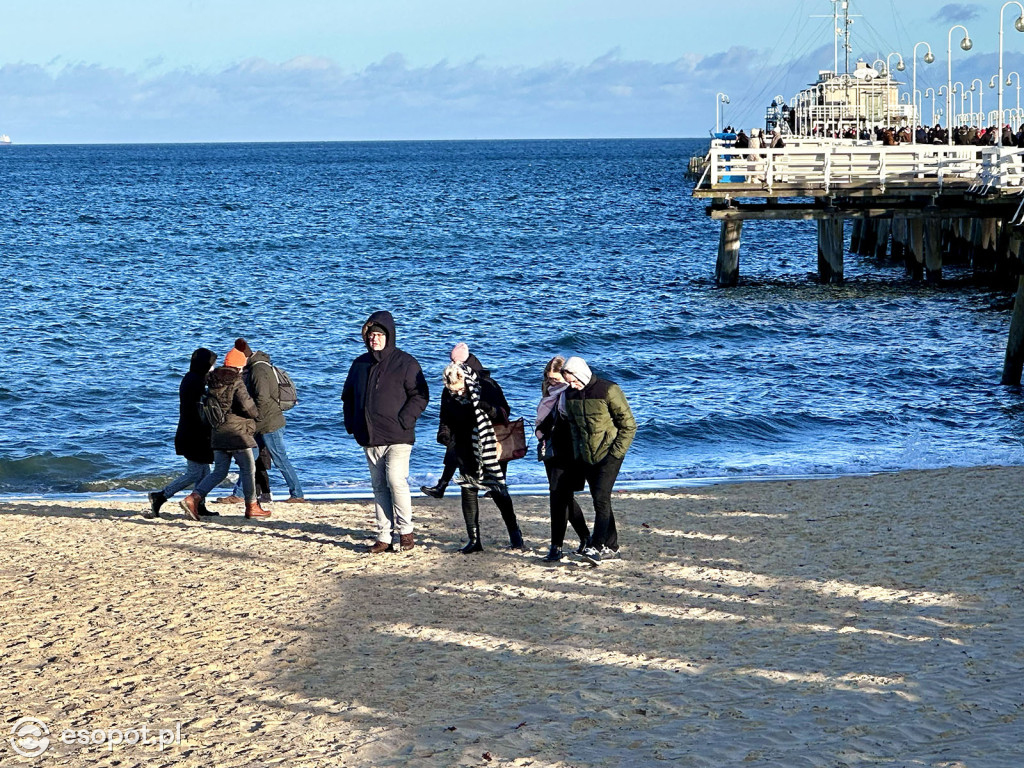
point(384, 393)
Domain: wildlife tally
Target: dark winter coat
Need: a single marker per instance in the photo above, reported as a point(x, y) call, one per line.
point(458, 419)
point(263, 387)
point(601, 421)
point(239, 427)
point(557, 440)
point(192, 438)
point(385, 392)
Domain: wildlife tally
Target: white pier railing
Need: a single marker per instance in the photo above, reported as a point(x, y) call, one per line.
point(825, 168)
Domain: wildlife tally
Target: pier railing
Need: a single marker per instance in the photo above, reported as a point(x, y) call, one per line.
point(825, 168)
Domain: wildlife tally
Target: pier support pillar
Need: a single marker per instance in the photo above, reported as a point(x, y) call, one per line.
point(882, 238)
point(899, 238)
point(830, 250)
point(868, 237)
point(727, 270)
point(855, 235)
point(915, 248)
point(933, 248)
point(1014, 362)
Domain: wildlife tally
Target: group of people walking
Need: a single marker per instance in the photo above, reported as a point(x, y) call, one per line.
point(246, 390)
point(584, 428)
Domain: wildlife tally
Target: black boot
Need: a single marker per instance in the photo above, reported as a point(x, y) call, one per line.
point(471, 514)
point(204, 512)
point(156, 500)
point(508, 515)
point(436, 491)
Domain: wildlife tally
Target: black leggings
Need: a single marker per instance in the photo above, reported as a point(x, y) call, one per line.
point(471, 508)
point(562, 482)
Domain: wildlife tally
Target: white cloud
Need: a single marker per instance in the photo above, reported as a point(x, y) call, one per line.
point(312, 98)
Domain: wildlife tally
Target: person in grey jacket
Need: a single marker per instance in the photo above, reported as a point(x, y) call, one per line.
point(263, 387)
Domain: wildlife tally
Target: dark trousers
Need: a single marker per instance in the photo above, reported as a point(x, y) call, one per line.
point(601, 478)
point(471, 510)
point(562, 482)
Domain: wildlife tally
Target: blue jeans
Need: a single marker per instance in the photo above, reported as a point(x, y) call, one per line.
point(221, 465)
point(279, 455)
point(392, 501)
point(193, 474)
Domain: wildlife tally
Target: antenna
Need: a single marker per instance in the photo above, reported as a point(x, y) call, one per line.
point(840, 32)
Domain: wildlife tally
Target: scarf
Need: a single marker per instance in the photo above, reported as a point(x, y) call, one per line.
point(485, 444)
point(548, 403)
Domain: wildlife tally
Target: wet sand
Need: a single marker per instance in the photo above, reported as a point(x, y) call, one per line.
point(848, 622)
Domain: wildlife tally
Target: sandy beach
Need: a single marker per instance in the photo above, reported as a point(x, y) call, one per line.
point(858, 621)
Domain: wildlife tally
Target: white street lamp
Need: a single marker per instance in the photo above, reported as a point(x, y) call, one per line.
point(720, 98)
point(1019, 26)
point(982, 119)
point(925, 96)
point(966, 45)
point(1010, 82)
point(928, 59)
point(888, 91)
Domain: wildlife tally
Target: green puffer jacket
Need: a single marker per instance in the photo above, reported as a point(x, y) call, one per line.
point(601, 422)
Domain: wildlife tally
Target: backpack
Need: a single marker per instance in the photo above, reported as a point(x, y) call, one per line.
point(287, 396)
point(210, 410)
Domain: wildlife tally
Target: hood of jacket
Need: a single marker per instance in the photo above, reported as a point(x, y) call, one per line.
point(578, 367)
point(258, 356)
point(384, 319)
point(222, 377)
point(202, 361)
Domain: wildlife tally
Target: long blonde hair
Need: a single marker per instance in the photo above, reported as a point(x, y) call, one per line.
point(554, 366)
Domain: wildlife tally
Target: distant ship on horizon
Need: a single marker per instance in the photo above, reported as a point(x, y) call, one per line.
point(4, 138)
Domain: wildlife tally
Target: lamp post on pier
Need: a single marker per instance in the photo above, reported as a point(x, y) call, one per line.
point(720, 98)
point(1008, 83)
point(982, 118)
point(966, 45)
point(928, 59)
point(888, 91)
point(1019, 26)
point(925, 96)
point(958, 88)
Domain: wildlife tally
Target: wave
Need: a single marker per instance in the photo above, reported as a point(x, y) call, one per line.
point(50, 472)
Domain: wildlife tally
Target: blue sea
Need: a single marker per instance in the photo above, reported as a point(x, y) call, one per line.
point(118, 261)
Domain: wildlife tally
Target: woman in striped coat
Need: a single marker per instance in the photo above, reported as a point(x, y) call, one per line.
point(471, 404)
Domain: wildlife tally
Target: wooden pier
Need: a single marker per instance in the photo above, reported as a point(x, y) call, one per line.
point(926, 202)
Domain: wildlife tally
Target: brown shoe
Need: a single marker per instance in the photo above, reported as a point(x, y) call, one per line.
point(406, 542)
point(191, 505)
point(232, 499)
point(295, 500)
point(255, 510)
point(381, 546)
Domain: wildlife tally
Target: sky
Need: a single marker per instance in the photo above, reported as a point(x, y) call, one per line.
point(113, 71)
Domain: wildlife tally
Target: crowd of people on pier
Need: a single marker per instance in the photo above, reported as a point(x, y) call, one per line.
point(963, 135)
point(236, 412)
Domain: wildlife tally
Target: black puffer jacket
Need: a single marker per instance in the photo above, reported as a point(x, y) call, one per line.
point(385, 392)
point(236, 433)
point(458, 419)
point(264, 389)
point(192, 439)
